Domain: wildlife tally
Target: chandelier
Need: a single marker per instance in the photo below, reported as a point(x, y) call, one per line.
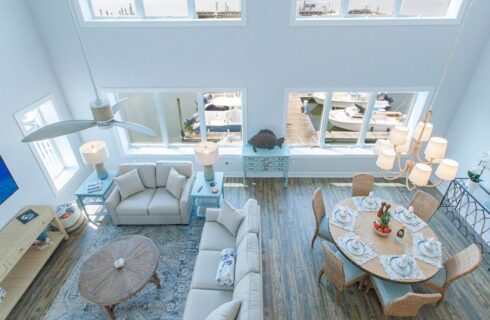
point(417, 171)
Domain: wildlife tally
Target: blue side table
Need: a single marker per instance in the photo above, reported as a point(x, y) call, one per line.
point(201, 195)
point(85, 198)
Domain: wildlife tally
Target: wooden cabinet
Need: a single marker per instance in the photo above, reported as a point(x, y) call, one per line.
point(20, 261)
point(265, 160)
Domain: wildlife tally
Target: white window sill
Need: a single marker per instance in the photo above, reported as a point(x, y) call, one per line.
point(163, 22)
point(64, 178)
point(373, 21)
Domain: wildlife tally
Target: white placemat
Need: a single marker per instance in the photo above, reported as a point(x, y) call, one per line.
point(349, 225)
point(415, 225)
point(434, 258)
point(415, 273)
point(363, 203)
point(363, 257)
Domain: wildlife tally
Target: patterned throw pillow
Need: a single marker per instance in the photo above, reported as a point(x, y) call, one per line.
point(225, 275)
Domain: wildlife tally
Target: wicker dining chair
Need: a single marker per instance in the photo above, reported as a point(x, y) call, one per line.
point(341, 272)
point(424, 205)
point(322, 228)
point(459, 265)
point(398, 300)
point(362, 184)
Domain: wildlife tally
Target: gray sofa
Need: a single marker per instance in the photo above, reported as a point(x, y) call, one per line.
point(154, 205)
point(205, 294)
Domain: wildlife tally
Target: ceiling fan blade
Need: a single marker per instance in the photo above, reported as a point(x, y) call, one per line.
point(59, 129)
point(120, 104)
point(134, 127)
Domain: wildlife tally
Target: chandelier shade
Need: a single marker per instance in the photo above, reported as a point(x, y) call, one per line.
point(386, 159)
point(423, 131)
point(436, 148)
point(404, 148)
point(447, 169)
point(399, 135)
point(380, 145)
point(420, 174)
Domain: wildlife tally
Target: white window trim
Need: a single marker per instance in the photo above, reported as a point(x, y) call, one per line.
point(67, 176)
point(360, 148)
point(125, 148)
point(87, 19)
point(453, 17)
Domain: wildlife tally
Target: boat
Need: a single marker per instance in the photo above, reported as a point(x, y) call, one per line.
point(223, 114)
point(352, 118)
point(339, 101)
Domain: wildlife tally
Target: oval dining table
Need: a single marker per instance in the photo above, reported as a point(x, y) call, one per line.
point(382, 245)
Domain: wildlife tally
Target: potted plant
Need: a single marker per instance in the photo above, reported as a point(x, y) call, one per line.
point(476, 172)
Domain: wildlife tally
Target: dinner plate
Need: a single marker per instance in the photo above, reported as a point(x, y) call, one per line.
point(425, 251)
point(401, 271)
point(367, 204)
point(355, 251)
point(343, 219)
point(412, 221)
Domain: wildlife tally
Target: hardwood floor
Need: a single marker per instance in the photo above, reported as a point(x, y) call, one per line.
point(290, 266)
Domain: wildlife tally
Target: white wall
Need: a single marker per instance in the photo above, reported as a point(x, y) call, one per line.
point(469, 133)
point(25, 77)
point(265, 57)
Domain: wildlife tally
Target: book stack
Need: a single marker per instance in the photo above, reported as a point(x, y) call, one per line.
point(94, 186)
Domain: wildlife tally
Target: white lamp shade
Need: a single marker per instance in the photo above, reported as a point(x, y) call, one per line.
point(420, 174)
point(386, 159)
point(447, 169)
point(206, 153)
point(94, 152)
point(399, 135)
point(427, 132)
point(436, 148)
point(404, 148)
point(380, 145)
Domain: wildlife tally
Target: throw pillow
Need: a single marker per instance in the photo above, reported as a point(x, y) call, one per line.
point(225, 275)
point(175, 183)
point(129, 184)
point(230, 218)
point(226, 311)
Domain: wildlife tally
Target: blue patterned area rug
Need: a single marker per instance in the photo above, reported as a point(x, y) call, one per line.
point(178, 247)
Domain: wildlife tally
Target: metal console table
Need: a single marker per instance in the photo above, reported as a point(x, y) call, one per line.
point(468, 214)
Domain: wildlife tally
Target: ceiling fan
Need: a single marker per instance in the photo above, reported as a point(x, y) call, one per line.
point(102, 111)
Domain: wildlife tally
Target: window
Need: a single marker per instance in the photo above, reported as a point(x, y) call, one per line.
point(325, 10)
point(182, 117)
point(152, 10)
point(341, 118)
point(56, 156)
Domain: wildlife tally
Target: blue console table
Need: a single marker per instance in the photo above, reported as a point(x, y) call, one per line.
point(265, 160)
point(85, 198)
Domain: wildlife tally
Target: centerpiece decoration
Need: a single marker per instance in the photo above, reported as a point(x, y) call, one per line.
point(382, 225)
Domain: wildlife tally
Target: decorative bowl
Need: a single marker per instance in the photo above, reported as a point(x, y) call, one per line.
point(382, 234)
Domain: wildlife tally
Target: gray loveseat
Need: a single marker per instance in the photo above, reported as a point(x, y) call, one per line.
point(154, 205)
point(205, 294)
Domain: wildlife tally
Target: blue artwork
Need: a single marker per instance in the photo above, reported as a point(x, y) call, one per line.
point(7, 182)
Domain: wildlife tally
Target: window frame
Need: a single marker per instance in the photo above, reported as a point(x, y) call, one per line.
point(87, 18)
point(69, 173)
point(121, 135)
point(360, 144)
point(453, 16)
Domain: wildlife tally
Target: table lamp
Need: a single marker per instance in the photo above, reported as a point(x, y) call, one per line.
point(95, 153)
point(207, 155)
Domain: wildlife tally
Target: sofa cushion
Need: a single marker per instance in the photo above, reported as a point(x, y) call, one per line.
point(137, 204)
point(200, 303)
point(247, 257)
point(226, 311)
point(249, 292)
point(163, 203)
point(146, 172)
point(129, 184)
point(216, 237)
point(230, 218)
point(163, 169)
point(204, 276)
point(175, 183)
point(251, 221)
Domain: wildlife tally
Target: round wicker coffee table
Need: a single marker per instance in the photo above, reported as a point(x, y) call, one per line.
point(119, 270)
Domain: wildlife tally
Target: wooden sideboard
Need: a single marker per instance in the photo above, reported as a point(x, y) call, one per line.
point(20, 261)
point(265, 160)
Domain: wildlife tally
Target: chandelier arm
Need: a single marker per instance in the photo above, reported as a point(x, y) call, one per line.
point(399, 161)
point(434, 185)
point(397, 175)
point(407, 184)
point(422, 160)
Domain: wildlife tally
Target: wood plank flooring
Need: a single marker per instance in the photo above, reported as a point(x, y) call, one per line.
point(290, 266)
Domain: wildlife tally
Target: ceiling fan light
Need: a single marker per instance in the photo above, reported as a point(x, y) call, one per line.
point(426, 132)
point(447, 170)
point(386, 159)
point(420, 174)
point(398, 135)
